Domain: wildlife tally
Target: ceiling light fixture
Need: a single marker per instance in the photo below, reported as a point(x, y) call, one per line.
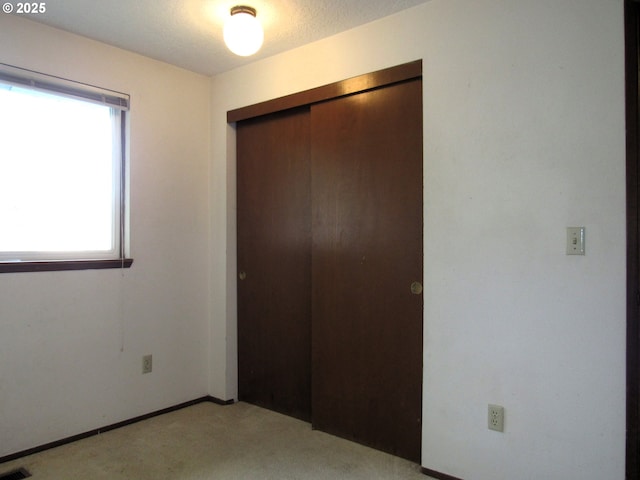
point(243, 33)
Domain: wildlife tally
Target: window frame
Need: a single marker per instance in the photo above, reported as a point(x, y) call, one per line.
point(115, 100)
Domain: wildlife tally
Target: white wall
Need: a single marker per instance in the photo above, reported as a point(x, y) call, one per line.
point(523, 137)
point(71, 343)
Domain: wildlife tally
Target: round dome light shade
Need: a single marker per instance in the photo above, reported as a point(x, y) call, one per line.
point(243, 33)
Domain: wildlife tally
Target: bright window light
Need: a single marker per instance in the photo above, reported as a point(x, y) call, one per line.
point(60, 164)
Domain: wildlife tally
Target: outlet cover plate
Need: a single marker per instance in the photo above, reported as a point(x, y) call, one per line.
point(147, 364)
point(496, 418)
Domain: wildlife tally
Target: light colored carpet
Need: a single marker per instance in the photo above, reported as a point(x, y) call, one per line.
point(208, 441)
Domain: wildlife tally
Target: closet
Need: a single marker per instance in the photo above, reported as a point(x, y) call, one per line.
point(330, 260)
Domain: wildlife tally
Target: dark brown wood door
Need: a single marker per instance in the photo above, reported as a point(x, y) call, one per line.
point(366, 253)
point(274, 262)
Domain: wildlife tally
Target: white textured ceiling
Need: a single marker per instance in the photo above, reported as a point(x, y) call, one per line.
point(188, 33)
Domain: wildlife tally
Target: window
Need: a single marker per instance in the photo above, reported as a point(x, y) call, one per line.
point(62, 166)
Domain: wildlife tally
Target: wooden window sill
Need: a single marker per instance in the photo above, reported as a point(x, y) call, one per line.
point(60, 265)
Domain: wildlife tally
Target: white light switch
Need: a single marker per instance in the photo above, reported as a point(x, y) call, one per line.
point(575, 240)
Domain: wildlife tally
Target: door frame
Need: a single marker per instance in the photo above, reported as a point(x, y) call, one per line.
point(632, 27)
point(363, 83)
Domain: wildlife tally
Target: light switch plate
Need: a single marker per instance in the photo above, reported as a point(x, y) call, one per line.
point(575, 240)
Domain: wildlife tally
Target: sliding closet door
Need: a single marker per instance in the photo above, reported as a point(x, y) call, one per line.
point(366, 267)
point(274, 262)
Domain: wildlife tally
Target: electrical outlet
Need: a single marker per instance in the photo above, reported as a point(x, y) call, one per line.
point(496, 418)
point(147, 364)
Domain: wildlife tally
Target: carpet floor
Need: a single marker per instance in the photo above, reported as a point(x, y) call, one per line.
point(208, 441)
